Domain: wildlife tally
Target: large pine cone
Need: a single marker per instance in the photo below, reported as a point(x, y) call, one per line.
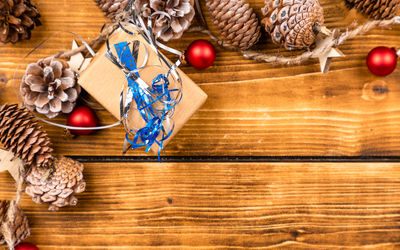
point(293, 23)
point(21, 134)
point(49, 87)
point(112, 7)
point(18, 226)
point(236, 21)
point(180, 11)
point(17, 19)
point(382, 9)
point(58, 186)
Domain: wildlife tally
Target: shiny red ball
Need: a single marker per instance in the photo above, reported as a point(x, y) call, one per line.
point(382, 61)
point(82, 116)
point(26, 246)
point(200, 54)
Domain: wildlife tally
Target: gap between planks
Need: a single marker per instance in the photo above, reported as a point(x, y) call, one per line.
point(238, 159)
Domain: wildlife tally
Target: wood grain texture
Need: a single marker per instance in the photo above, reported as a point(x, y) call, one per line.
point(224, 206)
point(253, 108)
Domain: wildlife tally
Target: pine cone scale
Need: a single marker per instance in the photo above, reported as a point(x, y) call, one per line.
point(383, 9)
point(18, 225)
point(19, 9)
point(18, 18)
point(58, 187)
point(49, 87)
point(236, 21)
point(21, 134)
point(181, 13)
point(292, 22)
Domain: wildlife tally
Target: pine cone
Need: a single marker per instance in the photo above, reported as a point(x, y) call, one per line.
point(383, 9)
point(57, 187)
point(18, 226)
point(17, 19)
point(293, 23)
point(49, 87)
point(180, 11)
point(236, 21)
point(22, 135)
point(112, 7)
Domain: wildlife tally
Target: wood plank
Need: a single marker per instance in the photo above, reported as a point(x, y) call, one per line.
point(223, 205)
point(253, 109)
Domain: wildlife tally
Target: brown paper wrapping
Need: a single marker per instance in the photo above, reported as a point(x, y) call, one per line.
point(103, 80)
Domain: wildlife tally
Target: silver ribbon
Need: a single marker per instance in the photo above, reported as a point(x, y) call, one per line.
point(140, 28)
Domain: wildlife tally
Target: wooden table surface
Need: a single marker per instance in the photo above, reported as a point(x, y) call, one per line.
point(278, 156)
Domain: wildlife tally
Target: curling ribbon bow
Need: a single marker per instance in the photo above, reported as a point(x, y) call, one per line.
point(156, 104)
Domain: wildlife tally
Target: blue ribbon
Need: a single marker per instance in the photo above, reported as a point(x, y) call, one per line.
point(154, 104)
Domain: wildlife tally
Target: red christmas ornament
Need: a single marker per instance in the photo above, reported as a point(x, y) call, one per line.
point(382, 61)
point(200, 54)
point(82, 116)
point(26, 246)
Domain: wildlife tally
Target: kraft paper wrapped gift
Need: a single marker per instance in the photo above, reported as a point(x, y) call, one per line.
point(104, 81)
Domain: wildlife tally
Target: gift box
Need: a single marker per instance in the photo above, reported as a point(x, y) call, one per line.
point(104, 81)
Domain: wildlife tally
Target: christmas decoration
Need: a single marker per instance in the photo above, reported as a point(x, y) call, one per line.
point(22, 135)
point(49, 87)
point(17, 19)
point(295, 24)
point(58, 185)
point(382, 61)
point(173, 15)
point(14, 226)
point(325, 58)
point(78, 62)
point(49, 179)
point(236, 21)
point(177, 96)
point(82, 116)
point(112, 7)
point(26, 246)
point(200, 54)
point(301, 32)
point(383, 9)
point(335, 40)
point(10, 163)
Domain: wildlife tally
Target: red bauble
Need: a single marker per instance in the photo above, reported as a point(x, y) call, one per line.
point(200, 54)
point(82, 116)
point(382, 61)
point(26, 246)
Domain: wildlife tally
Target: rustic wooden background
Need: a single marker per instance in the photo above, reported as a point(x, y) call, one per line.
point(255, 111)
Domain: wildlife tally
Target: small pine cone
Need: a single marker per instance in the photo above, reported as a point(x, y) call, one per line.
point(49, 87)
point(180, 11)
point(21, 134)
point(293, 23)
point(236, 21)
point(17, 19)
point(112, 7)
point(383, 9)
point(58, 185)
point(17, 226)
